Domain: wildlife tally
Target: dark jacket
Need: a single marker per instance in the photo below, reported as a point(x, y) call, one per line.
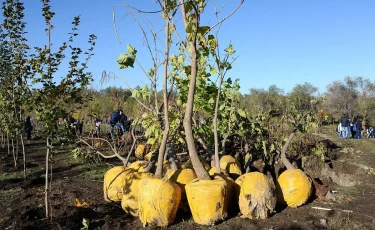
point(123, 119)
point(345, 122)
point(115, 117)
point(28, 127)
point(359, 125)
point(71, 120)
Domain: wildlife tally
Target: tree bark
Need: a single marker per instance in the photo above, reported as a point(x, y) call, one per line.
point(216, 139)
point(14, 154)
point(46, 193)
point(197, 165)
point(8, 143)
point(24, 157)
point(162, 148)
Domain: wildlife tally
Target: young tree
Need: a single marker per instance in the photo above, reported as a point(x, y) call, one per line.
point(14, 71)
point(51, 98)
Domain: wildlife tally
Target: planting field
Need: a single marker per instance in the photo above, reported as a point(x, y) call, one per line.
point(22, 200)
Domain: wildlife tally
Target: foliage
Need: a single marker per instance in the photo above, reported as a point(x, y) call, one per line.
point(51, 98)
point(84, 155)
point(14, 70)
point(355, 97)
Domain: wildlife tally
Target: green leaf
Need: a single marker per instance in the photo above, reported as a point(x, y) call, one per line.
point(230, 50)
point(131, 50)
point(125, 61)
point(242, 113)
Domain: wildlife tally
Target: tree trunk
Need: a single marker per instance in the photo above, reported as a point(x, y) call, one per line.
point(46, 193)
point(216, 139)
point(285, 160)
point(171, 155)
point(14, 154)
point(197, 165)
point(8, 143)
point(17, 149)
point(24, 157)
point(162, 148)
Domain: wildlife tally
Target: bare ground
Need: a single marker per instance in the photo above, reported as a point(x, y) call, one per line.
point(350, 175)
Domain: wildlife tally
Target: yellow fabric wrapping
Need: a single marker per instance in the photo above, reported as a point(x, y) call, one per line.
point(129, 200)
point(230, 198)
point(296, 187)
point(148, 156)
point(139, 151)
point(114, 180)
point(158, 201)
point(189, 165)
point(207, 200)
point(256, 195)
point(181, 177)
point(213, 171)
point(139, 166)
point(167, 171)
point(232, 166)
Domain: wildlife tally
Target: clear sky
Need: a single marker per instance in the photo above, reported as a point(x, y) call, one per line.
point(278, 42)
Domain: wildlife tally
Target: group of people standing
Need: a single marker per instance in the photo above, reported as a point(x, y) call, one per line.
point(348, 129)
point(118, 119)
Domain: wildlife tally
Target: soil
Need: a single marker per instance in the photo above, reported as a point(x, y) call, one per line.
point(22, 200)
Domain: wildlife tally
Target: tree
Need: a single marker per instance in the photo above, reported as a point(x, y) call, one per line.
point(302, 95)
point(50, 99)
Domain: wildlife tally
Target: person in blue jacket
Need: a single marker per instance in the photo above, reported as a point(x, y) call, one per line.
point(115, 121)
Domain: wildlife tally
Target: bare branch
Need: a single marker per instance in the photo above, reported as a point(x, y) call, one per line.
point(115, 153)
point(114, 24)
point(225, 18)
point(150, 12)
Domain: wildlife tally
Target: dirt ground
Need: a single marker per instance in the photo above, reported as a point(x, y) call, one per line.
point(351, 178)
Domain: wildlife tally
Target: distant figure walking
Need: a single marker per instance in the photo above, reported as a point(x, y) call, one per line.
point(28, 127)
point(359, 129)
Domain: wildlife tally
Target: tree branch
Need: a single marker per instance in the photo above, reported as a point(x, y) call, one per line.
point(222, 20)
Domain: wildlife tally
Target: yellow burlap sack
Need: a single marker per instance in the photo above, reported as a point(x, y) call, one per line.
point(129, 200)
point(167, 171)
point(158, 201)
point(256, 195)
point(189, 165)
point(231, 202)
point(232, 166)
point(140, 151)
point(148, 156)
point(181, 177)
point(296, 187)
point(213, 171)
point(139, 166)
point(207, 200)
point(114, 180)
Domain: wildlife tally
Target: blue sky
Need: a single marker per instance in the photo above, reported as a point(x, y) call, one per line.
point(278, 42)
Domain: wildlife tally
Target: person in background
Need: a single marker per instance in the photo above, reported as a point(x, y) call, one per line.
point(28, 127)
point(79, 126)
point(359, 129)
point(353, 130)
point(71, 125)
point(98, 122)
point(339, 130)
point(115, 121)
point(123, 121)
point(345, 127)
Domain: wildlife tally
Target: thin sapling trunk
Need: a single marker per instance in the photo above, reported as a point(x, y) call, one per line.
point(162, 148)
point(197, 165)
